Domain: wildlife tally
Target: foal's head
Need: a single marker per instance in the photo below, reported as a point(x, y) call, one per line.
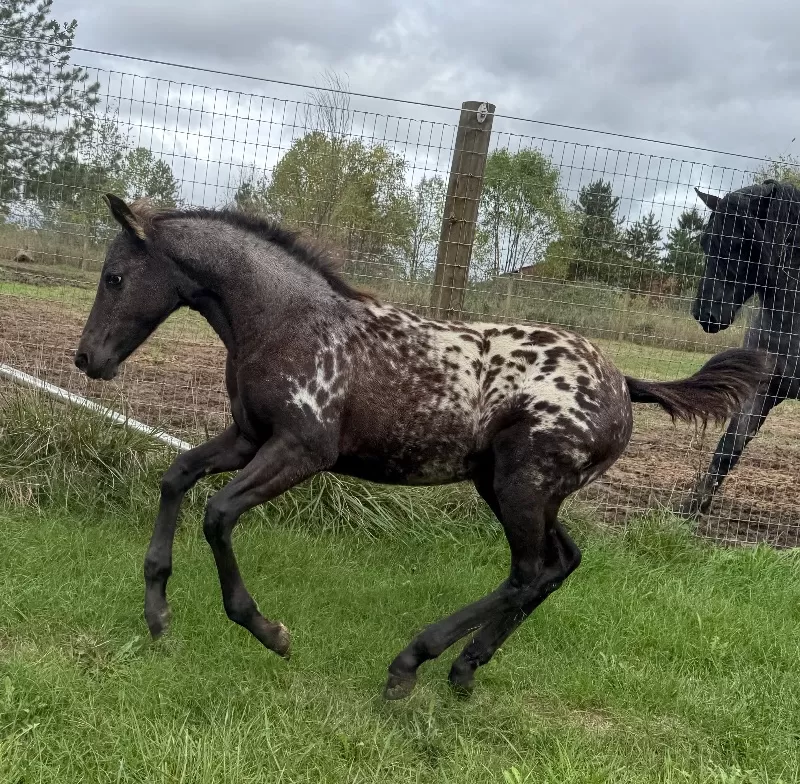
point(138, 290)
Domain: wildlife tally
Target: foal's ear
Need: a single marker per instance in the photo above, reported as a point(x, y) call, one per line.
point(124, 216)
point(712, 202)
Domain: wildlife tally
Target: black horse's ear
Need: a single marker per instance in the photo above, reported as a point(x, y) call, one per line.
point(124, 216)
point(712, 202)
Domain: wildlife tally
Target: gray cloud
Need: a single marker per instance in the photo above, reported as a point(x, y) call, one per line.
point(712, 74)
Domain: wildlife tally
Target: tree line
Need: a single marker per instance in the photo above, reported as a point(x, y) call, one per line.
point(61, 152)
point(357, 197)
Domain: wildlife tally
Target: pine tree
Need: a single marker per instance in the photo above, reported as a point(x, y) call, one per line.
point(597, 246)
point(684, 256)
point(46, 105)
point(643, 239)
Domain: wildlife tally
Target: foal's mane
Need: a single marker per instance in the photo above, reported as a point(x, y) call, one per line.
point(292, 242)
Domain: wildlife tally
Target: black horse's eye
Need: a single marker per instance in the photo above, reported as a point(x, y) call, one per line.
point(114, 281)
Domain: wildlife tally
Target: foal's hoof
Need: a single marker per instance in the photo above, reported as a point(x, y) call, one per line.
point(283, 642)
point(158, 621)
point(398, 687)
point(462, 680)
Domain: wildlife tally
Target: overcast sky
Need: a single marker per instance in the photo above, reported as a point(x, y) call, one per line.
point(723, 74)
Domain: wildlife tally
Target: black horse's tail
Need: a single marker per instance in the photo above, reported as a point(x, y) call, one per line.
point(720, 388)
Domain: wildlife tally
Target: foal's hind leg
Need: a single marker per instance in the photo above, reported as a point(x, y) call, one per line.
point(492, 635)
point(228, 451)
point(521, 487)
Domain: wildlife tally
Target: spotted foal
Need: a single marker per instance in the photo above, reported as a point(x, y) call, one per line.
point(322, 377)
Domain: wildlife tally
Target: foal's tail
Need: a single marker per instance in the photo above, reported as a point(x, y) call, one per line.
point(720, 388)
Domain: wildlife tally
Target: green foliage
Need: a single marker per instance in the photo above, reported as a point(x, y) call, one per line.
point(522, 211)
point(785, 168)
point(597, 246)
point(72, 191)
point(45, 104)
point(684, 257)
point(643, 245)
point(426, 227)
point(349, 193)
point(142, 174)
point(643, 239)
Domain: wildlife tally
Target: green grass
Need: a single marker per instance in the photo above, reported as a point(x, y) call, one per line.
point(80, 297)
point(659, 661)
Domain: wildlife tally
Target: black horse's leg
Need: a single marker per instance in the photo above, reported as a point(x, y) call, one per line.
point(279, 464)
point(742, 429)
point(520, 488)
point(226, 452)
point(491, 636)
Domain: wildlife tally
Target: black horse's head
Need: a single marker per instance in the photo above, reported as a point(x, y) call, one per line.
point(742, 242)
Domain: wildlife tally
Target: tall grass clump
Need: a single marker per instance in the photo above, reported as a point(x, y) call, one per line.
point(52, 454)
point(57, 456)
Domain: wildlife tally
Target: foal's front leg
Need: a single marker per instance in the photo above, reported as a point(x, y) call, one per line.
point(279, 464)
point(228, 451)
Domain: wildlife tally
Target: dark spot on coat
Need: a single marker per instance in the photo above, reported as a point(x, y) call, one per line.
point(529, 356)
point(541, 337)
point(327, 365)
point(567, 427)
point(490, 376)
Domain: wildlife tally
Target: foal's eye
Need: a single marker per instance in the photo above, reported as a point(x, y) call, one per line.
point(114, 281)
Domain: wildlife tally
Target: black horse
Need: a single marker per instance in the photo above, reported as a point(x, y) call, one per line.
point(752, 248)
point(322, 377)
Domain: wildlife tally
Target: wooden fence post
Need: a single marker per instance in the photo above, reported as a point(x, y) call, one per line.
point(461, 209)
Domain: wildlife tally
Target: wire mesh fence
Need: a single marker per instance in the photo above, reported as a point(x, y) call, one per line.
point(567, 231)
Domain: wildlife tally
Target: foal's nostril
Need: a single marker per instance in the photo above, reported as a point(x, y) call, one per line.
point(82, 361)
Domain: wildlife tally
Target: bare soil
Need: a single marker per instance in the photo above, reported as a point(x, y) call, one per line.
point(176, 381)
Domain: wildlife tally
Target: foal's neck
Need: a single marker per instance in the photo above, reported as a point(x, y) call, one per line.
point(246, 287)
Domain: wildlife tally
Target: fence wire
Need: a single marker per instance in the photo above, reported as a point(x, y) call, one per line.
point(604, 241)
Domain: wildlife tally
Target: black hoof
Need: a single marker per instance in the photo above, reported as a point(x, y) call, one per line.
point(693, 507)
point(399, 687)
point(462, 680)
